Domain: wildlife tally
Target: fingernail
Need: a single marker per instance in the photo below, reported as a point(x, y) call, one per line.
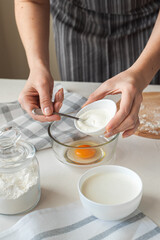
point(60, 95)
point(108, 134)
point(47, 111)
point(108, 129)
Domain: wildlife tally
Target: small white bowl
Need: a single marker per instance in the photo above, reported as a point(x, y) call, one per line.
point(121, 190)
point(111, 107)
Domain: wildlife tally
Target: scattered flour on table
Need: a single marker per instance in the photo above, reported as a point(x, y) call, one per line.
point(149, 120)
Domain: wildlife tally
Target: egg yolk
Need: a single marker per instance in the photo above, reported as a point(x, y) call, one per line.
point(85, 153)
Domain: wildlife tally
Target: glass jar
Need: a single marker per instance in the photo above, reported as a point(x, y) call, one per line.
point(19, 173)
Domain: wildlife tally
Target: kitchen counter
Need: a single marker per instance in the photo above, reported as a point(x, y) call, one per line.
point(59, 181)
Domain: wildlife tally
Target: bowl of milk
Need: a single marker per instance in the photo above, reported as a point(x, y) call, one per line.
point(95, 116)
point(110, 192)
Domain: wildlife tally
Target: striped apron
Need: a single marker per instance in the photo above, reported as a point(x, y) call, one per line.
point(97, 39)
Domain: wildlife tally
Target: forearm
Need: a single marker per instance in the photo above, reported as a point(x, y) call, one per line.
point(148, 62)
point(32, 19)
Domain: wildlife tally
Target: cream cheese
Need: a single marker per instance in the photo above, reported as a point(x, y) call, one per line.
point(93, 120)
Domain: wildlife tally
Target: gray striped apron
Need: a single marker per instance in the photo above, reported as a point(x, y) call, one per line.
point(97, 39)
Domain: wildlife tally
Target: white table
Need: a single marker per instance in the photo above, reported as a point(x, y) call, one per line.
point(59, 181)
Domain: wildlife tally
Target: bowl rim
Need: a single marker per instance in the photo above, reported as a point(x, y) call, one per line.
point(97, 102)
point(65, 145)
point(110, 205)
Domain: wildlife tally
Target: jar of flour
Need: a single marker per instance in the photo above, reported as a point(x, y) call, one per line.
point(19, 173)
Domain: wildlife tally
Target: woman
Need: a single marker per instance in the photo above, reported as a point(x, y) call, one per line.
point(95, 41)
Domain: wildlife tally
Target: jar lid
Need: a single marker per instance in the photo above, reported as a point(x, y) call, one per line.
point(14, 153)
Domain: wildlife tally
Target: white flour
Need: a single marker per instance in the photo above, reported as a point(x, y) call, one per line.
point(19, 191)
point(149, 120)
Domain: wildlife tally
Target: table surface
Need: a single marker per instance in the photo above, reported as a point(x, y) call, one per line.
point(59, 181)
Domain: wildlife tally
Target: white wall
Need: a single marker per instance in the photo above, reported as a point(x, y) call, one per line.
point(13, 62)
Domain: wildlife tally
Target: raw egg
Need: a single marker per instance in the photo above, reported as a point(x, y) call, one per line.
point(85, 154)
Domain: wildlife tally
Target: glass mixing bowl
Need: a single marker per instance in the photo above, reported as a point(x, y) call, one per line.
point(77, 149)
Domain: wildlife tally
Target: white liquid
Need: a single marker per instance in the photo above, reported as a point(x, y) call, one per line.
point(94, 120)
point(110, 188)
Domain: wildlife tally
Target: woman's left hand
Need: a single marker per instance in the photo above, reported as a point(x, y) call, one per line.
point(130, 85)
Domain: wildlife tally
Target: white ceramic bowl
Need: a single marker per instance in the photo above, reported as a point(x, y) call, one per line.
point(111, 107)
point(122, 205)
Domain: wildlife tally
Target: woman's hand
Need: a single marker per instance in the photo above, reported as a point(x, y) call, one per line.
point(37, 93)
point(32, 19)
point(130, 85)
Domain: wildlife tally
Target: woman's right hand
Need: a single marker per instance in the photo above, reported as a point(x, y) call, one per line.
point(37, 93)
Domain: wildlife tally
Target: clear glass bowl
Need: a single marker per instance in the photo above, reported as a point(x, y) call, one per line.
point(77, 149)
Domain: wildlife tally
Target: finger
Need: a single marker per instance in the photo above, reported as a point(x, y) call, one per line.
point(130, 131)
point(103, 90)
point(126, 133)
point(98, 94)
point(126, 103)
point(28, 106)
point(130, 120)
point(59, 96)
point(46, 118)
point(53, 118)
point(57, 106)
point(45, 100)
point(40, 118)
